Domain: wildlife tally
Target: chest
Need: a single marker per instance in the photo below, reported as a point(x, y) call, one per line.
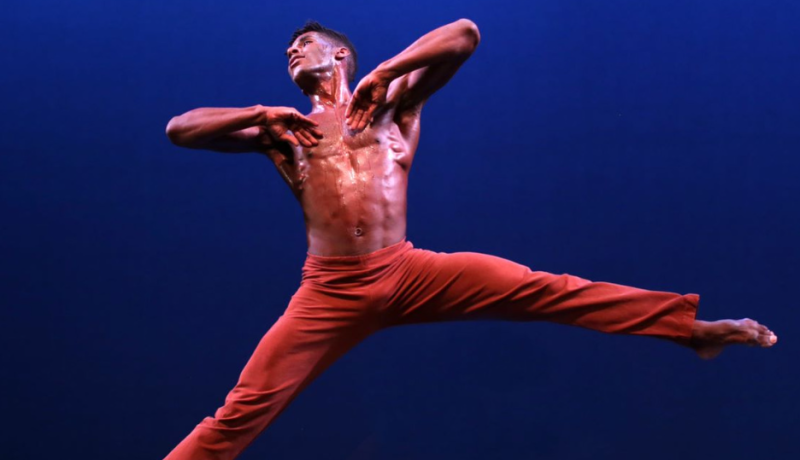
point(338, 139)
point(343, 155)
point(339, 142)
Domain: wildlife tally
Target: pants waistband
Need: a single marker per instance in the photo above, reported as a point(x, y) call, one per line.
point(375, 258)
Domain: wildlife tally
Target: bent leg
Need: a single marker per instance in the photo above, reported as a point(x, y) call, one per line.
point(439, 286)
point(312, 333)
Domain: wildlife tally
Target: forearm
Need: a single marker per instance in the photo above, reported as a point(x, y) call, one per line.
point(450, 42)
point(198, 126)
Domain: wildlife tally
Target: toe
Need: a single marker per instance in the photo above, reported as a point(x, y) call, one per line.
point(767, 340)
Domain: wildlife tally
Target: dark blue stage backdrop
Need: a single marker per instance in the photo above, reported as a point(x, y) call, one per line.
point(647, 143)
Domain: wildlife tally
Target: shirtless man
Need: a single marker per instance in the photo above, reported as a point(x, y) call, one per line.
point(347, 163)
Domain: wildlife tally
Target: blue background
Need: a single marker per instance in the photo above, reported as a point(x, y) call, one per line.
point(648, 143)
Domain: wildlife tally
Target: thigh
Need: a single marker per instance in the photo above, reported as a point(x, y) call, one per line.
point(440, 286)
point(468, 286)
point(313, 332)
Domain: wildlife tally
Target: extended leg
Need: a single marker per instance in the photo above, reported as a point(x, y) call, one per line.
point(466, 285)
point(309, 337)
point(438, 286)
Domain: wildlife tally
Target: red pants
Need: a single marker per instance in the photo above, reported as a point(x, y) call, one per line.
point(342, 300)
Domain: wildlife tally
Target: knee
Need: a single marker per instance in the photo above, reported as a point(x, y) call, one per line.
point(565, 283)
point(233, 415)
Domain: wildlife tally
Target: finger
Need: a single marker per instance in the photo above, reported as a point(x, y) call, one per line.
point(310, 130)
point(304, 142)
point(305, 139)
point(357, 119)
point(289, 137)
point(368, 114)
point(351, 120)
point(292, 115)
point(298, 117)
point(313, 130)
point(353, 123)
point(362, 122)
point(371, 112)
point(350, 106)
point(355, 101)
point(316, 132)
point(305, 123)
point(361, 105)
point(310, 136)
point(301, 139)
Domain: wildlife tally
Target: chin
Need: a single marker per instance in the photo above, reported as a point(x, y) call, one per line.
point(302, 77)
point(298, 72)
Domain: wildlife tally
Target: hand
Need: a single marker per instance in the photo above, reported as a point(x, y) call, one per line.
point(367, 97)
point(287, 124)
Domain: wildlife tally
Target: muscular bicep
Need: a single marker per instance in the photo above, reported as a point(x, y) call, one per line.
point(248, 140)
point(422, 83)
point(410, 92)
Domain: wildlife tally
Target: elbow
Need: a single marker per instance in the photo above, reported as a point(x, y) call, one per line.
point(470, 34)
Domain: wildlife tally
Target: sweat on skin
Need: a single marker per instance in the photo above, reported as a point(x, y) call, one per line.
point(347, 164)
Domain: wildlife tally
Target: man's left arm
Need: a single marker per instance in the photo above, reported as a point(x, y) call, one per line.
point(412, 76)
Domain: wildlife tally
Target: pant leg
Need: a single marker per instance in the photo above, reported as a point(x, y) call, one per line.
point(316, 329)
point(439, 286)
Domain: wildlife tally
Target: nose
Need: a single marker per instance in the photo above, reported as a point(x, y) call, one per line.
point(292, 51)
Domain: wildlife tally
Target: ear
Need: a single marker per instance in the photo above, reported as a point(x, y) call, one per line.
point(341, 53)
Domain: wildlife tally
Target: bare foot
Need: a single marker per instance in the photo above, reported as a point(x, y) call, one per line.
point(709, 338)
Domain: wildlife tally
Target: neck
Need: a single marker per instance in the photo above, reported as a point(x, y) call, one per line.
point(330, 90)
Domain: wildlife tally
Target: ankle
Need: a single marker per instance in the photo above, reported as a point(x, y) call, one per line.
point(698, 332)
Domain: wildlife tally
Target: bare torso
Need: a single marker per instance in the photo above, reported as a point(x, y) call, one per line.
point(352, 186)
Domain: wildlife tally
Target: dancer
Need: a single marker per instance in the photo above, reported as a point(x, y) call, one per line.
point(347, 164)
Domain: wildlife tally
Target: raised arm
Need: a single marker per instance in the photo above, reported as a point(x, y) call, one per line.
point(412, 76)
point(240, 130)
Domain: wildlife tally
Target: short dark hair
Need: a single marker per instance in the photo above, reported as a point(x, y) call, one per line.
point(338, 38)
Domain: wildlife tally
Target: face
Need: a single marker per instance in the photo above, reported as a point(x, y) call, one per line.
point(312, 54)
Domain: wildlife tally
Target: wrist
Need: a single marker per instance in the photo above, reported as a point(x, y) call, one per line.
point(261, 114)
point(385, 72)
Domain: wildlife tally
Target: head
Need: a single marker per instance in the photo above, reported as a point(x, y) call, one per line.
point(322, 50)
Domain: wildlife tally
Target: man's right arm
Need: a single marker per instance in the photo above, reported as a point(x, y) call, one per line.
point(231, 130)
point(240, 130)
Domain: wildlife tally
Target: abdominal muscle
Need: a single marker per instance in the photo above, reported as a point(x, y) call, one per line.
point(352, 186)
point(353, 196)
